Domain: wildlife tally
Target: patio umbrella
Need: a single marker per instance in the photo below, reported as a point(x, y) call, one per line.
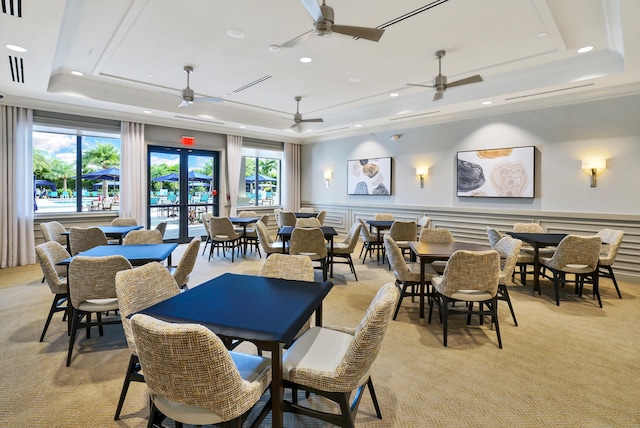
point(193, 176)
point(45, 183)
point(103, 174)
point(261, 178)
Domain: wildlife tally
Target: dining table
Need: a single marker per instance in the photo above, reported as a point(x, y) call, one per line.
point(379, 226)
point(268, 312)
point(305, 215)
point(428, 252)
point(137, 255)
point(537, 241)
point(244, 222)
point(329, 232)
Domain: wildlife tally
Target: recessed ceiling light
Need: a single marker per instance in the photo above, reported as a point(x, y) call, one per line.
point(274, 48)
point(305, 59)
point(355, 79)
point(150, 75)
point(236, 33)
point(16, 48)
point(77, 73)
point(357, 125)
point(147, 112)
point(486, 103)
point(395, 94)
point(585, 49)
point(542, 33)
point(242, 127)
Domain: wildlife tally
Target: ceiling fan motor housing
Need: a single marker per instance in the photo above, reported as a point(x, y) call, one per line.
point(187, 94)
point(440, 83)
point(322, 27)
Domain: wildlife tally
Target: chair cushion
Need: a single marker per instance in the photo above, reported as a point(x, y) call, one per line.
point(99, 305)
point(467, 295)
point(250, 366)
point(184, 413)
point(317, 349)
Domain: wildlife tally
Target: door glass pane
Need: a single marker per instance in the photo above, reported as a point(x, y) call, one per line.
point(202, 192)
point(164, 194)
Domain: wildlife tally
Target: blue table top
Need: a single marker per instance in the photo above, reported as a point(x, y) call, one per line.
point(136, 254)
point(118, 230)
point(246, 306)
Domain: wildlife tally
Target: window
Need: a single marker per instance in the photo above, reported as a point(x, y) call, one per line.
point(260, 183)
point(64, 151)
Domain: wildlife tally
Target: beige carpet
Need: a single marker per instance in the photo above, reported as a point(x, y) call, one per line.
point(575, 365)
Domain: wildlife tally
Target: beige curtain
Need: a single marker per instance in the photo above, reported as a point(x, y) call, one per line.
point(17, 241)
point(234, 159)
point(291, 177)
point(133, 172)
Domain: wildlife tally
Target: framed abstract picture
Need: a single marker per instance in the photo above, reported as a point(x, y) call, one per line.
point(370, 176)
point(496, 173)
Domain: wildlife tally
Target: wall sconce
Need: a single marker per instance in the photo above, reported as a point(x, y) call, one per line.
point(327, 178)
point(594, 166)
point(421, 172)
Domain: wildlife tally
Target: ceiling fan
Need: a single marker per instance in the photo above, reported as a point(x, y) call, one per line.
point(297, 118)
point(440, 82)
point(188, 97)
point(324, 25)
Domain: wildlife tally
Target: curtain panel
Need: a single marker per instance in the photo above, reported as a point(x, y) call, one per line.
point(133, 164)
point(291, 177)
point(17, 241)
point(234, 160)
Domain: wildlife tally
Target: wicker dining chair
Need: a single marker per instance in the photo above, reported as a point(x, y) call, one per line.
point(192, 378)
point(509, 250)
point(223, 235)
point(370, 242)
point(441, 235)
point(524, 258)
point(124, 221)
point(138, 289)
point(206, 222)
point(407, 274)
point(335, 361)
point(611, 240)
point(186, 264)
point(54, 231)
point(469, 276)
point(49, 255)
point(137, 237)
point(402, 233)
point(310, 242)
point(308, 222)
point(269, 246)
point(343, 250)
point(286, 218)
point(85, 238)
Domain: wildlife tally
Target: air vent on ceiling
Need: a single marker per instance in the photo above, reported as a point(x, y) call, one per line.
point(332, 130)
point(548, 92)
point(213, 122)
point(17, 69)
point(14, 7)
point(412, 13)
point(255, 82)
point(414, 115)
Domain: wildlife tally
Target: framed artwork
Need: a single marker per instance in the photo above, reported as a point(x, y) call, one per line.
point(371, 176)
point(496, 173)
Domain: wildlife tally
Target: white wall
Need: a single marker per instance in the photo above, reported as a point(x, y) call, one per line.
point(563, 136)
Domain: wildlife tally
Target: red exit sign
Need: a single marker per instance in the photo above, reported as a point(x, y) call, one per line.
point(188, 141)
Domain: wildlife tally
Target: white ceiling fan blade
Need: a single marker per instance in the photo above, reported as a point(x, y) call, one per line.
point(301, 38)
point(184, 104)
point(438, 96)
point(312, 120)
point(367, 33)
point(295, 125)
point(209, 99)
point(313, 8)
point(465, 81)
point(420, 86)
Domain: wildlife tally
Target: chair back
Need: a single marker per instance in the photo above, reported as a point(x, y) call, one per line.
point(396, 260)
point(247, 214)
point(365, 233)
point(49, 255)
point(322, 214)
point(403, 230)
point(294, 267)
point(351, 240)
point(162, 227)
point(509, 249)
point(139, 288)
point(276, 214)
point(264, 219)
point(443, 236)
point(309, 242)
point(528, 228)
point(576, 250)
point(494, 236)
point(94, 277)
point(263, 234)
point(424, 221)
point(471, 270)
point(367, 340)
point(124, 221)
point(85, 238)
point(53, 231)
point(189, 364)
point(307, 210)
point(384, 217)
point(308, 222)
point(286, 218)
point(222, 227)
point(206, 221)
point(187, 262)
point(135, 237)
point(611, 240)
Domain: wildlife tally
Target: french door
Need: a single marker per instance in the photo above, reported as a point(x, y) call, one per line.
point(183, 185)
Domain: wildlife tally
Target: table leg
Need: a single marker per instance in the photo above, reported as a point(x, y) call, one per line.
point(244, 234)
point(277, 388)
point(331, 259)
point(379, 245)
point(422, 286)
point(536, 270)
